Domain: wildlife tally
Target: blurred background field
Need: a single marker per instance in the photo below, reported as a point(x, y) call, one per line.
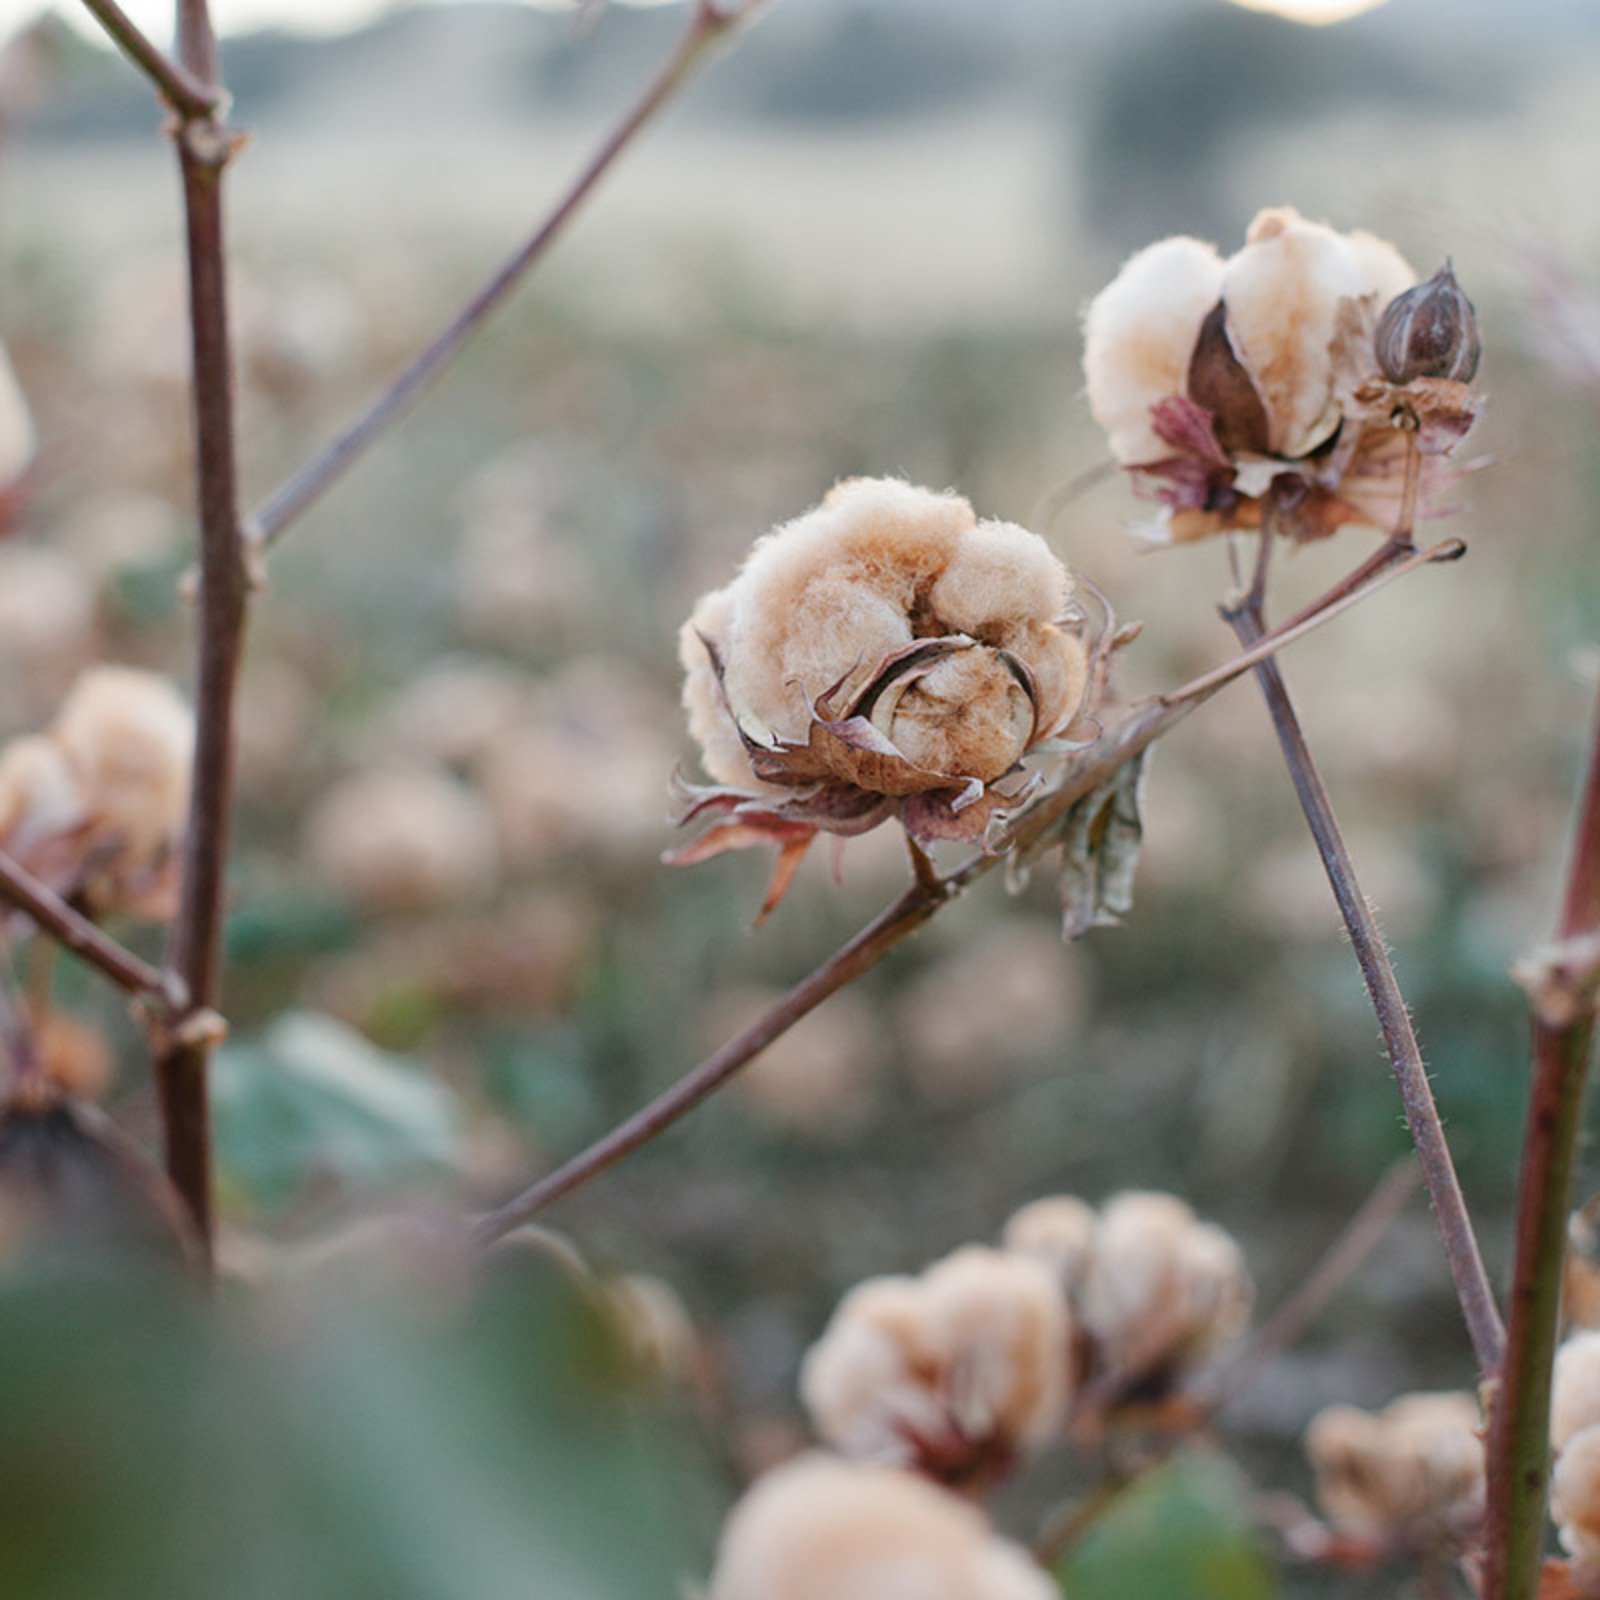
point(859, 244)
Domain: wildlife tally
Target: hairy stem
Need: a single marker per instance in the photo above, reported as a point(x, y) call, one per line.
point(270, 520)
point(194, 949)
point(1394, 1020)
point(1519, 1419)
point(1118, 745)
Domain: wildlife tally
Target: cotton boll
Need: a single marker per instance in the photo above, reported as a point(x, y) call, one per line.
point(1058, 1232)
point(1162, 1288)
point(711, 723)
point(18, 440)
point(824, 1529)
point(1575, 1505)
point(456, 710)
point(1139, 335)
point(1575, 1388)
point(41, 794)
point(968, 717)
point(408, 839)
point(1408, 1474)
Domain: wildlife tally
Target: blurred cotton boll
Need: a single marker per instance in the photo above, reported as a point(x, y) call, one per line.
point(47, 623)
point(972, 1018)
point(1575, 1506)
point(818, 1078)
point(1059, 1232)
point(403, 839)
point(1161, 1290)
point(18, 440)
point(957, 1373)
point(1408, 1477)
point(824, 1529)
point(457, 710)
point(1575, 1387)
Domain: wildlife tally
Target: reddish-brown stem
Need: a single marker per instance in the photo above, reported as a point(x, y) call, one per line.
point(1117, 746)
point(1478, 1306)
point(270, 520)
point(194, 949)
point(1519, 1417)
point(71, 928)
point(181, 90)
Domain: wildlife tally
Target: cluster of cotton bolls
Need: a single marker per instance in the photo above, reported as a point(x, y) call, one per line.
point(929, 1389)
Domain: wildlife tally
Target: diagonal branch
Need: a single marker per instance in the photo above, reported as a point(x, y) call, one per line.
point(1118, 745)
point(69, 927)
point(179, 87)
point(1394, 1020)
point(272, 518)
point(1519, 1419)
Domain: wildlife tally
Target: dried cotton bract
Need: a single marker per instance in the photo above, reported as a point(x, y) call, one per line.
point(1297, 375)
point(885, 654)
point(96, 805)
point(955, 1373)
point(1409, 1477)
point(823, 1529)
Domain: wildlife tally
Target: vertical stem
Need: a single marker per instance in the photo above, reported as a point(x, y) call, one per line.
point(1519, 1420)
point(1394, 1020)
point(194, 948)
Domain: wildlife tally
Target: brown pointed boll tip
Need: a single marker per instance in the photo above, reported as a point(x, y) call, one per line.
point(1430, 331)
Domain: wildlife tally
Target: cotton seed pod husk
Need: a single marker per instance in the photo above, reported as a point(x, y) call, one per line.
point(1575, 1387)
point(1161, 1289)
point(824, 1529)
point(1404, 1476)
point(1429, 331)
point(956, 1372)
point(884, 654)
point(70, 1180)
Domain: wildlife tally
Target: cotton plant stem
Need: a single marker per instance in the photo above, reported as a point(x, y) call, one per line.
point(69, 927)
point(194, 948)
point(179, 87)
point(1519, 1418)
point(1118, 745)
point(1471, 1281)
point(272, 519)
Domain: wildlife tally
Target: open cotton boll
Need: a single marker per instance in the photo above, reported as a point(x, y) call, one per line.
point(41, 794)
point(1575, 1504)
point(956, 1372)
point(1058, 1232)
point(1138, 338)
point(1575, 1387)
point(823, 1529)
point(1161, 1288)
point(1410, 1473)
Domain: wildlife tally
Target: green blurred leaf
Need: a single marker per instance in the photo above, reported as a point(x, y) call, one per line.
point(1182, 1533)
point(313, 1098)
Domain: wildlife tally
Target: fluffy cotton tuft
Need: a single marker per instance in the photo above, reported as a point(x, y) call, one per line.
point(1058, 1231)
point(823, 1529)
point(1575, 1387)
point(1575, 1504)
point(955, 1372)
point(1412, 1472)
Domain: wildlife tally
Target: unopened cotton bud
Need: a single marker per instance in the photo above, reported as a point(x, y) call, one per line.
point(1430, 331)
point(1412, 1472)
point(955, 1372)
point(1057, 1231)
point(824, 1529)
point(1162, 1288)
point(1575, 1387)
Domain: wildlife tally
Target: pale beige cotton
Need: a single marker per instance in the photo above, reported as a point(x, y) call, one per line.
point(1139, 335)
point(41, 796)
point(1575, 1387)
point(824, 599)
point(1412, 1469)
point(18, 440)
point(129, 738)
point(1161, 1288)
point(1282, 290)
point(1058, 1231)
point(823, 1529)
point(971, 1354)
point(1575, 1505)
point(403, 839)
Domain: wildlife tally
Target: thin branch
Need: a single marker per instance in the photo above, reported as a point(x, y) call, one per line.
point(1519, 1418)
point(194, 948)
point(1137, 731)
point(84, 938)
point(1394, 1021)
point(270, 520)
point(181, 90)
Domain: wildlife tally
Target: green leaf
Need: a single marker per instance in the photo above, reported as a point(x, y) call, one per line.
point(313, 1099)
point(1184, 1532)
